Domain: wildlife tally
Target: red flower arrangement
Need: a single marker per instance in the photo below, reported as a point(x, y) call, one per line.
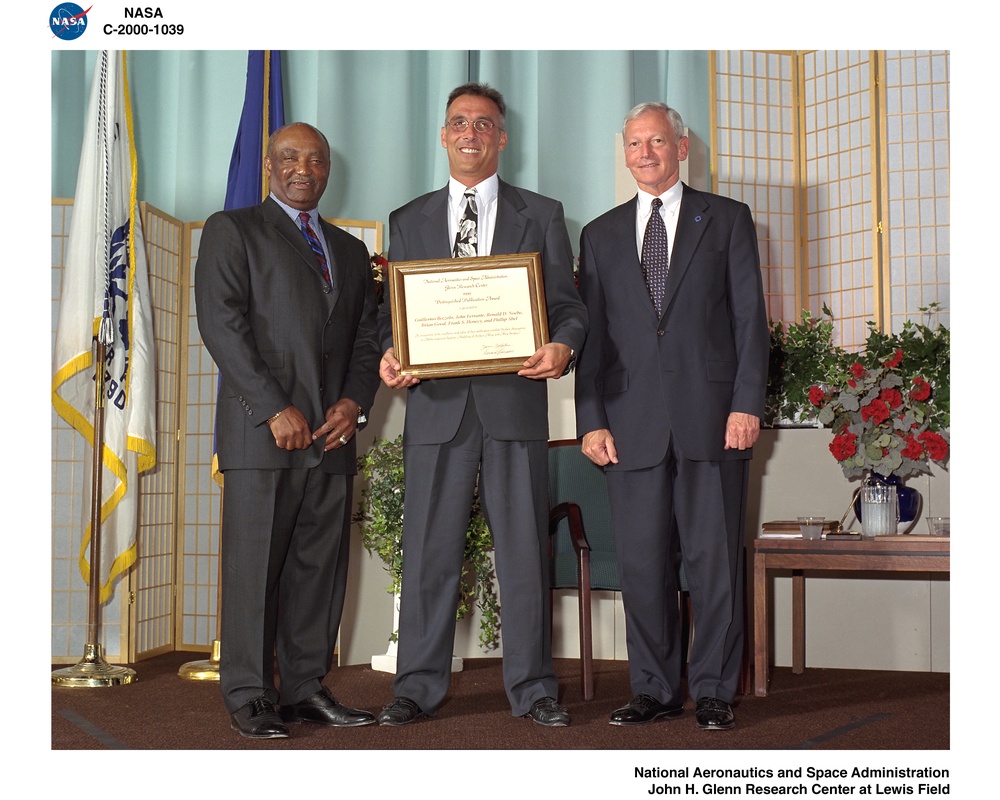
point(379, 267)
point(881, 425)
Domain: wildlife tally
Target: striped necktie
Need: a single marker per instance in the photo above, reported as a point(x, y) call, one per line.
point(467, 237)
point(310, 235)
point(654, 257)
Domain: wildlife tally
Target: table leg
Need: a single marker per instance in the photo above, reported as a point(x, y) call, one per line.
point(798, 621)
point(760, 669)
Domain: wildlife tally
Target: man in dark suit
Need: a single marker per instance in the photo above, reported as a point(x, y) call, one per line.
point(291, 325)
point(669, 395)
point(492, 428)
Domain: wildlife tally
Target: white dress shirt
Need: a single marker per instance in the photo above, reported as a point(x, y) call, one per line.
point(486, 205)
point(669, 210)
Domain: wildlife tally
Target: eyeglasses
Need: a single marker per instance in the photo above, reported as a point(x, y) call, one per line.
point(482, 125)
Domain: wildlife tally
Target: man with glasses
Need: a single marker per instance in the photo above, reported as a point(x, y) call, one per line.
point(492, 429)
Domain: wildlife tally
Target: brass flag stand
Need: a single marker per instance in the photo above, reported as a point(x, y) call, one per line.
point(92, 669)
point(208, 669)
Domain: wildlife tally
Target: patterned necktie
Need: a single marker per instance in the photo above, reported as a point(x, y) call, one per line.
point(310, 235)
point(467, 236)
point(654, 256)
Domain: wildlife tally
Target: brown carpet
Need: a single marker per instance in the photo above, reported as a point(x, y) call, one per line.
point(821, 709)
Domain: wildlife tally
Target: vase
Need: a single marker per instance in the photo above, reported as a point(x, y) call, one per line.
point(909, 499)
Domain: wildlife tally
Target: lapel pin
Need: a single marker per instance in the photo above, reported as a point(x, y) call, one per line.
point(698, 218)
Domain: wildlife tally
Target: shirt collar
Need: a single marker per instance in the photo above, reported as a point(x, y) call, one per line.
point(671, 199)
point(486, 190)
point(293, 213)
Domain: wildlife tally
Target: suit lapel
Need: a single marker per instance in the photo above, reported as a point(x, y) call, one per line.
point(508, 233)
point(290, 232)
point(624, 244)
point(434, 228)
point(338, 256)
point(693, 220)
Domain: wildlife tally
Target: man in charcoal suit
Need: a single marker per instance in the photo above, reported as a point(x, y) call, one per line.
point(491, 428)
point(286, 307)
point(669, 394)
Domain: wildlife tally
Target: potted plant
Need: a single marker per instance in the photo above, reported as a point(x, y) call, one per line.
point(380, 519)
point(801, 357)
point(890, 408)
point(927, 355)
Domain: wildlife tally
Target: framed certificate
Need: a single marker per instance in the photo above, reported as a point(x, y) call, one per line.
point(467, 316)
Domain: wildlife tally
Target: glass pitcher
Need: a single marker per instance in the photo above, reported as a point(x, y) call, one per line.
point(879, 509)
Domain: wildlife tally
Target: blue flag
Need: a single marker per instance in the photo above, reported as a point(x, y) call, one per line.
point(263, 113)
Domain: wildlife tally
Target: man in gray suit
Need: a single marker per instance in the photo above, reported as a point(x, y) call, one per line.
point(286, 307)
point(492, 428)
point(669, 395)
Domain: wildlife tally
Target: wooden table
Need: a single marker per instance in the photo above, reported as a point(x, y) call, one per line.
point(908, 553)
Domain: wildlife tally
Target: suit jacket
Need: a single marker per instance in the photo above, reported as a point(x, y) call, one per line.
point(511, 408)
point(646, 378)
point(280, 335)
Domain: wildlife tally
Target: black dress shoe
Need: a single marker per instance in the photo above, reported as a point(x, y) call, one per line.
point(401, 711)
point(324, 709)
point(258, 720)
point(643, 709)
point(713, 714)
point(549, 713)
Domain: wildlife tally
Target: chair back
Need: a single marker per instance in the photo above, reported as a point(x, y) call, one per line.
point(574, 478)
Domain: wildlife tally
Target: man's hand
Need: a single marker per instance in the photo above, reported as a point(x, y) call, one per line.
point(599, 447)
point(549, 361)
point(742, 431)
point(388, 370)
point(341, 422)
point(290, 430)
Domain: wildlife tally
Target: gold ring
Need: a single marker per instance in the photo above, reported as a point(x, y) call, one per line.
point(343, 439)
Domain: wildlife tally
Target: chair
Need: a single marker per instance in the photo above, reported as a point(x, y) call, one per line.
point(583, 552)
point(582, 548)
point(583, 555)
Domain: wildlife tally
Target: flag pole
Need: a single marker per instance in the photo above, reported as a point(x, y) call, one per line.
point(207, 669)
point(93, 670)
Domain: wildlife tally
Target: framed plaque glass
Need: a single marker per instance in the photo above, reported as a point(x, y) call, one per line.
point(467, 316)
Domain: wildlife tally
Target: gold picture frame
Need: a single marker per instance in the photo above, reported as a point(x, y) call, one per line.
point(457, 317)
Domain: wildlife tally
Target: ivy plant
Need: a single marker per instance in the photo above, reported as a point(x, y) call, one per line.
point(380, 519)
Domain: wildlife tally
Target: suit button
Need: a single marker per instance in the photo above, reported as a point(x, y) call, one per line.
point(660, 332)
point(326, 290)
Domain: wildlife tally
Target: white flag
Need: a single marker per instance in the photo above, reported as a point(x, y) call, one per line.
point(105, 292)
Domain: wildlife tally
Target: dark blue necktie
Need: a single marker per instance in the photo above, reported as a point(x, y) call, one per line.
point(310, 235)
point(654, 256)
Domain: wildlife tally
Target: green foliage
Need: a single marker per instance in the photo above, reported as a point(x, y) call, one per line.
point(380, 519)
point(380, 514)
point(801, 357)
point(926, 354)
point(804, 356)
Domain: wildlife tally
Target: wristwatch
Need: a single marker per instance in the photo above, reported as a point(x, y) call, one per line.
point(572, 362)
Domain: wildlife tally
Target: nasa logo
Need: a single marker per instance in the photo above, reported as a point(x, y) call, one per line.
point(68, 21)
